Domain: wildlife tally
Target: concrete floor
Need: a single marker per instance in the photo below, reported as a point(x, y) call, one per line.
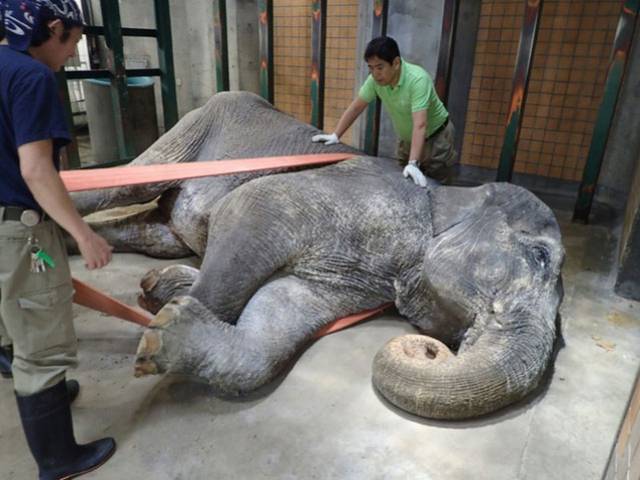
point(323, 419)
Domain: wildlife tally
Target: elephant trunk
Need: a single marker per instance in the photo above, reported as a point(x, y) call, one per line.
point(506, 362)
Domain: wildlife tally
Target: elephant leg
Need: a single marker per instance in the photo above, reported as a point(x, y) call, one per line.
point(246, 246)
point(146, 232)
point(179, 145)
point(186, 338)
point(160, 286)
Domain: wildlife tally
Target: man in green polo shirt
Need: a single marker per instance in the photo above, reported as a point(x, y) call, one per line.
point(419, 118)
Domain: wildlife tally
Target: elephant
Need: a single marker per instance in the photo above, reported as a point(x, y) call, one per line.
point(476, 270)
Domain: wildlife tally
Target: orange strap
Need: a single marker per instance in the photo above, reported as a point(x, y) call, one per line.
point(96, 178)
point(88, 296)
point(342, 323)
point(93, 179)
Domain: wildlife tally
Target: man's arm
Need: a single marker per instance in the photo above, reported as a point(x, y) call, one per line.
point(417, 144)
point(418, 134)
point(349, 116)
point(346, 120)
point(40, 175)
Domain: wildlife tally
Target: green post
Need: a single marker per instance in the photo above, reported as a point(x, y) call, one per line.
point(220, 47)
point(119, 93)
point(372, 130)
point(617, 65)
point(165, 58)
point(519, 91)
point(265, 37)
point(318, 54)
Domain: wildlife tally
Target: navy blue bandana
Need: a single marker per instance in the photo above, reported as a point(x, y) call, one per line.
point(23, 17)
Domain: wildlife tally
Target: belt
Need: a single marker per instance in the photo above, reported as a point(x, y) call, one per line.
point(440, 128)
point(27, 216)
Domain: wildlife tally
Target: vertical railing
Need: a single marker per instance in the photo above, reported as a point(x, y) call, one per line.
point(378, 28)
point(445, 53)
point(519, 91)
point(318, 55)
point(617, 65)
point(118, 77)
point(165, 59)
point(221, 49)
point(265, 37)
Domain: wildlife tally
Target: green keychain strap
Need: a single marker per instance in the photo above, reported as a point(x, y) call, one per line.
point(44, 256)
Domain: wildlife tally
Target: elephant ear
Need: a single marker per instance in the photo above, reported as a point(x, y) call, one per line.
point(522, 209)
point(506, 281)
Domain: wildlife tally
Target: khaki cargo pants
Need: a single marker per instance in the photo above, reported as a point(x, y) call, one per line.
point(438, 155)
point(35, 308)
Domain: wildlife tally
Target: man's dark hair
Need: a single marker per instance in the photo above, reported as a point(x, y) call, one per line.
point(42, 33)
point(385, 48)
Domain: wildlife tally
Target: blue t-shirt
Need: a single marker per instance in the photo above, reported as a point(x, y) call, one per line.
point(30, 110)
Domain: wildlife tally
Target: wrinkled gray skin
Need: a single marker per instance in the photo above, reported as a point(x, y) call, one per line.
point(285, 254)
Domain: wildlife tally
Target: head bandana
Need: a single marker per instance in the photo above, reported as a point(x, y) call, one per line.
point(23, 17)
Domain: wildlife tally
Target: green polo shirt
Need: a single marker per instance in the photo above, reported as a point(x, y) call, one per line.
point(414, 92)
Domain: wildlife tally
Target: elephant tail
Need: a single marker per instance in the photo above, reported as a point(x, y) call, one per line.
point(505, 362)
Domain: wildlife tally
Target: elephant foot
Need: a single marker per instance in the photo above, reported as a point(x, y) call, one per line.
point(160, 286)
point(176, 339)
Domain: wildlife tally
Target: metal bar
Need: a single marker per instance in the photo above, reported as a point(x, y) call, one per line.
point(92, 40)
point(73, 155)
point(221, 48)
point(265, 36)
point(445, 54)
point(318, 56)
point(526, 47)
point(615, 74)
point(119, 93)
point(103, 73)
point(165, 59)
point(378, 28)
point(126, 31)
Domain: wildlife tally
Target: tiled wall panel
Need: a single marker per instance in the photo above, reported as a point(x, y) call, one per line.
point(566, 84)
point(292, 58)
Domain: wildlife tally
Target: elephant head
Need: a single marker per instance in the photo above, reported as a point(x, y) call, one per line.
point(491, 282)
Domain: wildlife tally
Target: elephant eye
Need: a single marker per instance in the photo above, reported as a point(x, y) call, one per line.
point(540, 255)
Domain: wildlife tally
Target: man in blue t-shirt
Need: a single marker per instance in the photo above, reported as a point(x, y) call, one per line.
point(36, 292)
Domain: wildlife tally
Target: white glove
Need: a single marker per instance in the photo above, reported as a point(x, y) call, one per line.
point(327, 139)
point(412, 170)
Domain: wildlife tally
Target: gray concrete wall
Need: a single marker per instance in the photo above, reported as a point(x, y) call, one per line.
point(464, 51)
point(628, 279)
point(244, 57)
point(623, 147)
point(416, 26)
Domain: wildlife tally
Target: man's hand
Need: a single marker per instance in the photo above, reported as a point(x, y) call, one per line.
point(327, 139)
point(412, 170)
point(94, 249)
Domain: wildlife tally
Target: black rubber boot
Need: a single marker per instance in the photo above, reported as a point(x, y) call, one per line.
point(46, 420)
point(6, 359)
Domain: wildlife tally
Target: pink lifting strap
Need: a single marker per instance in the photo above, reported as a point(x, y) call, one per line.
point(94, 179)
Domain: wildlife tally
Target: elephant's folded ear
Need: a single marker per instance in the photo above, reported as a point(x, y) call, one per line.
point(452, 205)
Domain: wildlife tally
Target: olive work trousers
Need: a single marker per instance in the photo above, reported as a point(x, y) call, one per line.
point(438, 155)
point(35, 307)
